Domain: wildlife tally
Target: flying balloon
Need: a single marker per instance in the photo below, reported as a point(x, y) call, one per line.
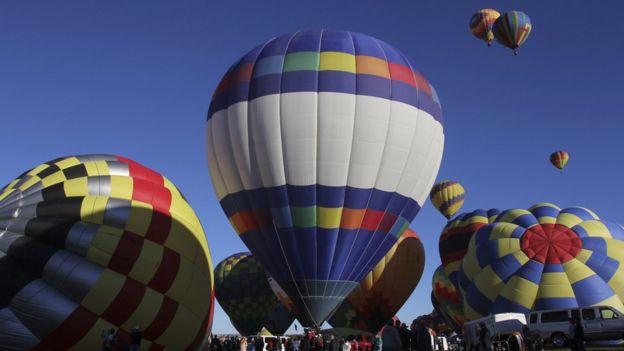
point(244, 293)
point(559, 159)
point(481, 24)
point(512, 29)
point(93, 242)
point(449, 298)
point(543, 258)
point(448, 197)
point(322, 146)
point(456, 236)
point(385, 289)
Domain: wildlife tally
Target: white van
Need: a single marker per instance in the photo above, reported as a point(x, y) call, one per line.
point(501, 323)
point(599, 322)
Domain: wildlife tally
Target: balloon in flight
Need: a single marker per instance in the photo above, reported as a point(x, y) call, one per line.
point(559, 159)
point(322, 146)
point(94, 242)
point(481, 24)
point(512, 29)
point(448, 197)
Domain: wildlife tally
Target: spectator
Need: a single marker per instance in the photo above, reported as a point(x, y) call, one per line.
point(296, 344)
point(242, 344)
point(135, 339)
point(334, 345)
point(345, 345)
point(259, 344)
point(405, 336)
point(390, 338)
point(377, 343)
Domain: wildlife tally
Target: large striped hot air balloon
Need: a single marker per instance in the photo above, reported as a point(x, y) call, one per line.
point(512, 29)
point(543, 258)
point(322, 146)
point(456, 235)
point(448, 197)
point(449, 298)
point(243, 291)
point(559, 159)
point(93, 242)
point(481, 24)
point(384, 290)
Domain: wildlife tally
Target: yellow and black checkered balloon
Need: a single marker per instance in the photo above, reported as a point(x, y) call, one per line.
point(93, 242)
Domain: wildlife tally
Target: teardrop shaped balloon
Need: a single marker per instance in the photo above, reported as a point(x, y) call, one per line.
point(449, 298)
point(243, 291)
point(559, 159)
point(93, 242)
point(456, 236)
point(481, 24)
point(384, 290)
point(543, 258)
point(322, 146)
point(512, 29)
point(448, 197)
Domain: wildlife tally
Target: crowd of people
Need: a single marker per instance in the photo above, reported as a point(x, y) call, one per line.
point(396, 336)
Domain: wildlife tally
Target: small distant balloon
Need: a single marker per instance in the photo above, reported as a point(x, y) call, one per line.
point(512, 29)
point(559, 159)
point(481, 24)
point(448, 197)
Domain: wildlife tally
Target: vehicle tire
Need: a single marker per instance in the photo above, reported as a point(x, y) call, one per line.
point(558, 340)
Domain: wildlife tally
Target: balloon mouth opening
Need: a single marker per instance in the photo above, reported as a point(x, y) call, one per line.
point(551, 243)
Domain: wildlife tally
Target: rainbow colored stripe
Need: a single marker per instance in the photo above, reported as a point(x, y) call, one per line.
point(323, 61)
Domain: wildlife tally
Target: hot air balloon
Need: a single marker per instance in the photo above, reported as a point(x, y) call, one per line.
point(543, 258)
point(322, 146)
point(243, 291)
point(385, 289)
point(456, 236)
point(449, 298)
point(512, 29)
point(448, 321)
point(559, 159)
point(93, 242)
point(481, 24)
point(448, 197)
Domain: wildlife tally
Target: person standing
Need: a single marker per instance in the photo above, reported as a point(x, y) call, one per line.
point(334, 345)
point(296, 344)
point(377, 343)
point(135, 339)
point(108, 344)
point(346, 345)
point(242, 344)
point(578, 334)
point(390, 338)
point(259, 344)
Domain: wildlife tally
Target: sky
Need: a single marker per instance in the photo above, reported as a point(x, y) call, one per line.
point(135, 78)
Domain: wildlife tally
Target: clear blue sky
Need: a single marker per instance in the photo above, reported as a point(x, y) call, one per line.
point(135, 78)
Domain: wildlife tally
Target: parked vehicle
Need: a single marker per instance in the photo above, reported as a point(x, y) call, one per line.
point(494, 325)
point(599, 322)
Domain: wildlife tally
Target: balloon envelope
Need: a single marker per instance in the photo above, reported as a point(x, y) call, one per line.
point(384, 290)
point(322, 146)
point(448, 197)
point(449, 298)
point(559, 159)
point(456, 236)
point(481, 24)
point(512, 29)
point(94, 242)
point(543, 258)
point(244, 293)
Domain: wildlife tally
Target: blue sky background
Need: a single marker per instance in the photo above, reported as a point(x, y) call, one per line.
point(135, 78)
